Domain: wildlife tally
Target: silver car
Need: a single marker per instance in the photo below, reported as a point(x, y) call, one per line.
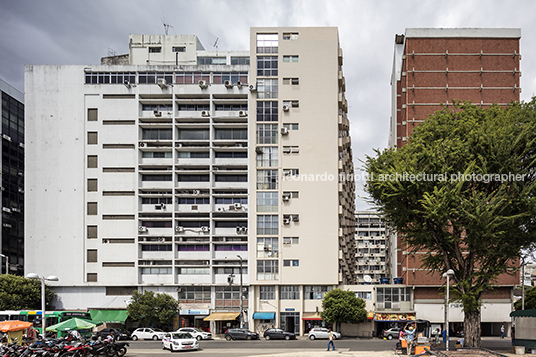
point(147, 334)
point(196, 333)
point(321, 332)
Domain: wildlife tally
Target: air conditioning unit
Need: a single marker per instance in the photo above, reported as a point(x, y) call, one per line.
point(179, 229)
point(237, 205)
point(142, 229)
point(232, 207)
point(162, 83)
point(141, 145)
point(205, 229)
point(286, 108)
point(239, 84)
point(245, 230)
point(220, 209)
point(242, 113)
point(296, 218)
point(202, 84)
point(195, 207)
point(284, 131)
point(286, 221)
point(196, 192)
point(157, 113)
point(252, 88)
point(205, 113)
point(228, 84)
point(286, 196)
point(238, 230)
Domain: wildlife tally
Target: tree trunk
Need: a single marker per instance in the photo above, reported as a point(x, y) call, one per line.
point(471, 327)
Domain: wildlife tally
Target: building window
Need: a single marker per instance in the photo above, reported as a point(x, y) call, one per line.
point(156, 177)
point(289, 292)
point(291, 240)
point(110, 78)
point(92, 138)
point(194, 134)
point(155, 49)
point(267, 111)
point(291, 149)
point(157, 107)
point(231, 200)
point(231, 248)
point(193, 107)
point(267, 247)
point(391, 296)
point(292, 103)
point(291, 126)
point(156, 248)
point(231, 134)
point(194, 248)
point(91, 278)
point(229, 296)
point(290, 35)
point(193, 155)
point(267, 156)
point(231, 154)
point(267, 179)
point(267, 201)
point(291, 172)
point(267, 88)
point(193, 178)
point(178, 49)
point(231, 178)
point(267, 269)
point(92, 208)
point(211, 60)
point(191, 78)
point(92, 114)
point(291, 81)
point(267, 225)
point(292, 194)
point(267, 43)
point(92, 162)
point(91, 185)
point(267, 292)
point(156, 271)
point(365, 295)
point(267, 134)
point(194, 271)
point(240, 61)
point(156, 154)
point(233, 77)
point(92, 232)
point(315, 292)
point(291, 263)
point(193, 201)
point(231, 107)
point(291, 58)
point(153, 77)
point(195, 294)
point(92, 255)
point(157, 134)
point(267, 66)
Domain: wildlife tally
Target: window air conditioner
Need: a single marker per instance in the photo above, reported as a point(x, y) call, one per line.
point(252, 88)
point(238, 230)
point(202, 84)
point(179, 229)
point(205, 113)
point(142, 229)
point(242, 113)
point(239, 84)
point(228, 84)
point(286, 196)
point(284, 131)
point(286, 221)
point(286, 108)
point(157, 113)
point(296, 218)
point(205, 229)
point(237, 205)
point(162, 83)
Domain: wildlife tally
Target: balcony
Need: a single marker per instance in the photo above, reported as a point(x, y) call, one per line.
point(151, 279)
point(193, 279)
point(193, 255)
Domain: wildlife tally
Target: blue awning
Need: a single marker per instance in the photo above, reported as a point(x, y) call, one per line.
point(264, 316)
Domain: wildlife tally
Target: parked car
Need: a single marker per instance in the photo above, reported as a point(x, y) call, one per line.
point(240, 334)
point(196, 333)
point(147, 334)
point(277, 333)
point(119, 334)
point(391, 333)
point(176, 341)
point(321, 332)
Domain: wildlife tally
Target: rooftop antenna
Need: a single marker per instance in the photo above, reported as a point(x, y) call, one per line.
point(216, 43)
point(166, 26)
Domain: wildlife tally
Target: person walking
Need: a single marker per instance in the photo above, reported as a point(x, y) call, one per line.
point(331, 338)
point(410, 336)
point(502, 331)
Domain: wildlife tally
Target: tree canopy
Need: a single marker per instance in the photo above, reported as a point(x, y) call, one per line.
point(462, 190)
point(152, 310)
point(20, 293)
point(530, 300)
point(343, 306)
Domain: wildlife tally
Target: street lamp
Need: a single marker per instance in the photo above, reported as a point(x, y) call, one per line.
point(7, 264)
point(447, 275)
point(42, 278)
point(241, 305)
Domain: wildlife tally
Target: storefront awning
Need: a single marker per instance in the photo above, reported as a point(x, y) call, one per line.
point(311, 316)
point(222, 316)
point(524, 313)
point(112, 316)
point(264, 316)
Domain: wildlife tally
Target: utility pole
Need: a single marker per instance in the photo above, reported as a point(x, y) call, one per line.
point(241, 292)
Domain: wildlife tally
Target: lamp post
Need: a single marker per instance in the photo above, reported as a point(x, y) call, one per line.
point(7, 264)
point(241, 304)
point(447, 275)
point(42, 278)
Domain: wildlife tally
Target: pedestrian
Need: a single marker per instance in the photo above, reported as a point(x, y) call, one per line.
point(502, 331)
point(410, 336)
point(331, 338)
point(31, 334)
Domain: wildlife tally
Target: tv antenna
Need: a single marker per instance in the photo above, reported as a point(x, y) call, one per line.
point(166, 26)
point(216, 43)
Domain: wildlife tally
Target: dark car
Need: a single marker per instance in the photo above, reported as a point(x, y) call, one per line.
point(240, 334)
point(118, 333)
point(277, 333)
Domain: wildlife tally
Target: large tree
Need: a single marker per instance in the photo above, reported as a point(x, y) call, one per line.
point(530, 300)
point(477, 212)
point(19, 293)
point(151, 309)
point(341, 307)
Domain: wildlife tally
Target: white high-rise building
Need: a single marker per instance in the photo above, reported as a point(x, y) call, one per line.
point(181, 171)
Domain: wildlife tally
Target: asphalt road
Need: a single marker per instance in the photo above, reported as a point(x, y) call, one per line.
point(261, 347)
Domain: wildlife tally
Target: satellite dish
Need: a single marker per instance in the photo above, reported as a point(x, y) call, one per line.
point(367, 278)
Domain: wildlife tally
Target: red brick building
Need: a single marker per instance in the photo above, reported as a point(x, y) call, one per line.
point(431, 68)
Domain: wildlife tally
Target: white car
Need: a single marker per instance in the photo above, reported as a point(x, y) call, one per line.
point(196, 333)
point(176, 341)
point(321, 332)
point(147, 334)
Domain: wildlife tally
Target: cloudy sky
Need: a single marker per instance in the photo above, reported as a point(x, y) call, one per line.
point(81, 32)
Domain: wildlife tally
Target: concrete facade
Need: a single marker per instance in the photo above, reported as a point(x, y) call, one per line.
point(373, 258)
